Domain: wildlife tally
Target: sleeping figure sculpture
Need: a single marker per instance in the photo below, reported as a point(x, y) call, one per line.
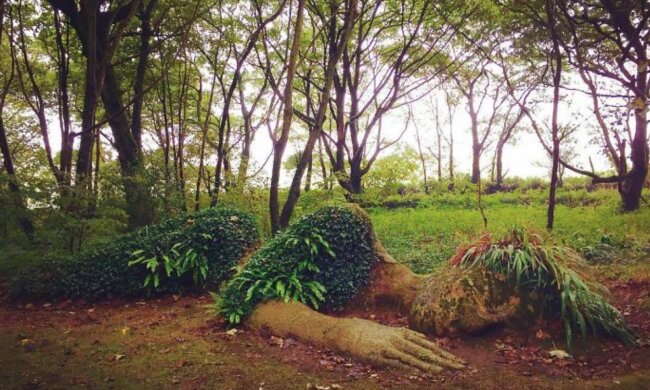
point(352, 269)
point(331, 260)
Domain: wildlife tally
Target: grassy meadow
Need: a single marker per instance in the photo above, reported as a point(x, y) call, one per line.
point(423, 231)
point(424, 238)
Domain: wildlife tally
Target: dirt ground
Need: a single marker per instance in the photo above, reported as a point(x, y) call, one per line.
point(174, 343)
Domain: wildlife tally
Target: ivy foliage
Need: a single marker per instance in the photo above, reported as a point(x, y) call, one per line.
point(321, 260)
point(524, 257)
point(209, 244)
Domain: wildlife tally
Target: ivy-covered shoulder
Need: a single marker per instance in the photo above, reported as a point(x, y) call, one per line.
point(322, 260)
point(195, 249)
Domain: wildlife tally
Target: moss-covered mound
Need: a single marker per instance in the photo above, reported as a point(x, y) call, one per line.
point(321, 260)
point(219, 235)
point(516, 279)
point(457, 300)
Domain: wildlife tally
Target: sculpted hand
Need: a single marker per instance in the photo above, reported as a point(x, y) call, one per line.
point(365, 340)
point(394, 347)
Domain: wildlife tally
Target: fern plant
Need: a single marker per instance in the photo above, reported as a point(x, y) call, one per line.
point(180, 260)
point(267, 279)
point(523, 256)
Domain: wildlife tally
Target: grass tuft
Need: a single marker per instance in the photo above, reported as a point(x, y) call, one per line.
point(554, 270)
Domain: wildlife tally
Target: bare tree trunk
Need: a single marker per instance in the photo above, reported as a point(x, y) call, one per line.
point(633, 184)
point(37, 104)
point(423, 164)
point(204, 137)
point(227, 99)
point(323, 167)
point(144, 15)
point(140, 206)
point(309, 172)
point(67, 137)
point(86, 138)
point(499, 164)
point(476, 155)
point(422, 157)
point(7, 161)
point(92, 208)
point(439, 159)
point(166, 139)
point(280, 144)
point(451, 150)
point(557, 74)
point(100, 33)
point(182, 124)
point(244, 159)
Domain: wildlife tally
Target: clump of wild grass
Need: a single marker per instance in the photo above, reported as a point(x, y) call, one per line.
point(553, 270)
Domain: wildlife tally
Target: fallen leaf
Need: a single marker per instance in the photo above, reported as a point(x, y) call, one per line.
point(232, 332)
point(558, 353)
point(277, 341)
point(118, 357)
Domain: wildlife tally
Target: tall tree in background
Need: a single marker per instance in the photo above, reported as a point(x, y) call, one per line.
point(8, 73)
point(609, 39)
point(337, 39)
point(239, 63)
point(100, 28)
point(377, 78)
point(486, 98)
point(280, 140)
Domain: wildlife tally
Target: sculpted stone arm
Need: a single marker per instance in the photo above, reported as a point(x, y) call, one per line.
point(365, 340)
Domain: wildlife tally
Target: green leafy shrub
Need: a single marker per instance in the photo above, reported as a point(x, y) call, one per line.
point(601, 250)
point(322, 260)
point(220, 235)
point(523, 257)
point(180, 260)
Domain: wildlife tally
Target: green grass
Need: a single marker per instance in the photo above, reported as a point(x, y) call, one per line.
point(425, 238)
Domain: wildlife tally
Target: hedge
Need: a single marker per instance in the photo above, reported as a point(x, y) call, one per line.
point(337, 240)
point(222, 235)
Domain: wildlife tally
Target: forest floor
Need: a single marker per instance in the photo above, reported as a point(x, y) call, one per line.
point(174, 343)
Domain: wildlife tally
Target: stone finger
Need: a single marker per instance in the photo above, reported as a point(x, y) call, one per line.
point(412, 361)
point(422, 341)
point(387, 362)
point(427, 355)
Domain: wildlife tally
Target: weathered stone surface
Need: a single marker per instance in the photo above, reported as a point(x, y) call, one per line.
point(457, 301)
